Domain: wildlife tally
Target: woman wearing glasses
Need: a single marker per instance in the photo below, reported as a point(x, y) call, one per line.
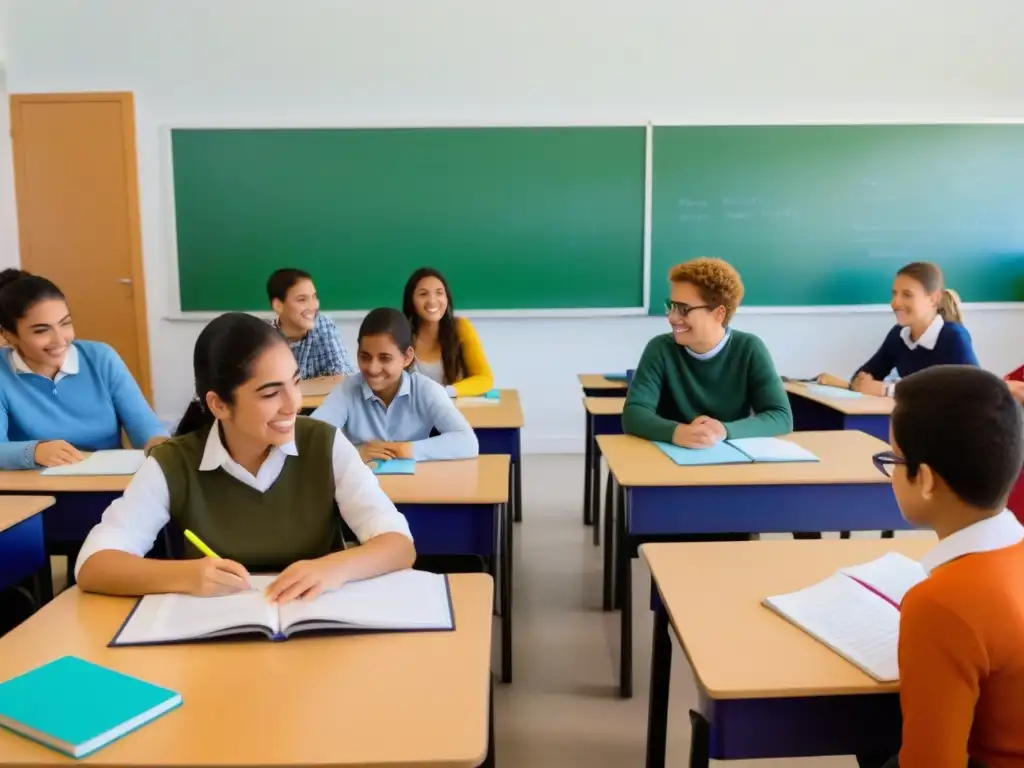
point(705, 382)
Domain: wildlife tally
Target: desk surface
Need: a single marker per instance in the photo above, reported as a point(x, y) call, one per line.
point(598, 381)
point(604, 406)
point(410, 699)
point(483, 480)
point(739, 649)
point(14, 509)
point(857, 406)
point(845, 457)
point(317, 389)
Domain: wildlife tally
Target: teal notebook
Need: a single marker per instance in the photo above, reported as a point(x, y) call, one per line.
point(76, 707)
point(394, 467)
point(746, 450)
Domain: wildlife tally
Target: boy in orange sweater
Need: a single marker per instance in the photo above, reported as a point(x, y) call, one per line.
point(957, 449)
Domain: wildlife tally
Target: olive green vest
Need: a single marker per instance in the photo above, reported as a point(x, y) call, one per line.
point(296, 519)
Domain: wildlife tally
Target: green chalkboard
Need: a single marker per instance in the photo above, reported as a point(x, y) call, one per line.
point(826, 215)
point(516, 218)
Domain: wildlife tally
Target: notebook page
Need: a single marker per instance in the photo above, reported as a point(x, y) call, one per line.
point(165, 618)
point(400, 600)
point(858, 625)
point(892, 574)
point(719, 453)
point(768, 449)
point(115, 462)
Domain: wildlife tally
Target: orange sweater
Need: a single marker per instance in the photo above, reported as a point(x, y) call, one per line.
point(962, 663)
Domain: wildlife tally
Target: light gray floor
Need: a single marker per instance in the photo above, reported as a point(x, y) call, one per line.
point(563, 709)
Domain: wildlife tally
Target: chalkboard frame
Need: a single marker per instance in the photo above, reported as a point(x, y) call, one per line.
point(665, 121)
point(169, 217)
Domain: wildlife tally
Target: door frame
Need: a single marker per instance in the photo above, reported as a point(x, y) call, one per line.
point(127, 102)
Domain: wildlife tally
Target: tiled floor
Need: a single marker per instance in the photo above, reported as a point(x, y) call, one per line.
point(563, 709)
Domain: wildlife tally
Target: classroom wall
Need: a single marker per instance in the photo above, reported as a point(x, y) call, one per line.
point(8, 217)
point(332, 62)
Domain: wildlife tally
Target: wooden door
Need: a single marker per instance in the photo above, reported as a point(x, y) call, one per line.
point(76, 187)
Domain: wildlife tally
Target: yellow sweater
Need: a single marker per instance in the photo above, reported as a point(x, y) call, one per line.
point(477, 378)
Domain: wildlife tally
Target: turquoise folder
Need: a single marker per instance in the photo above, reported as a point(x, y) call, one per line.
point(76, 707)
point(394, 467)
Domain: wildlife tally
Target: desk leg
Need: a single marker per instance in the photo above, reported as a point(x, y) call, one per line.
point(588, 464)
point(72, 561)
point(700, 741)
point(620, 508)
point(661, 674)
point(519, 477)
point(609, 551)
point(42, 584)
point(608, 491)
point(506, 601)
point(595, 483)
point(624, 573)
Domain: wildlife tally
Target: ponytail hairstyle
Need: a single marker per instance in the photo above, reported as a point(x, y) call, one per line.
point(447, 333)
point(930, 276)
point(223, 359)
point(390, 322)
point(19, 292)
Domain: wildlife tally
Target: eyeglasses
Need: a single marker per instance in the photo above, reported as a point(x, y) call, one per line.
point(681, 308)
point(886, 461)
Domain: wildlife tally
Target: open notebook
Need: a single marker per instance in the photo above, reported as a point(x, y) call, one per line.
point(113, 462)
point(742, 451)
point(396, 602)
point(855, 612)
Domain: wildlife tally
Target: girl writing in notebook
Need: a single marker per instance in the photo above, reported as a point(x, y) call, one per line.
point(929, 331)
point(390, 412)
point(60, 396)
point(260, 486)
point(448, 349)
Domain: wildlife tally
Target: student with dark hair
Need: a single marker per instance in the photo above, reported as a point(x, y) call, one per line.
point(929, 331)
point(60, 396)
point(448, 349)
point(390, 412)
point(957, 448)
point(312, 336)
point(260, 485)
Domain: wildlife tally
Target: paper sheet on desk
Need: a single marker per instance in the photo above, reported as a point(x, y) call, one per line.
point(116, 462)
point(836, 393)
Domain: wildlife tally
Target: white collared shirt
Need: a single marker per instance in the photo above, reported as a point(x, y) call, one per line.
point(713, 351)
point(928, 339)
point(133, 522)
point(997, 532)
point(68, 368)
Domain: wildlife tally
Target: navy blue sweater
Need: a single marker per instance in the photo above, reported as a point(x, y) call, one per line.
point(953, 347)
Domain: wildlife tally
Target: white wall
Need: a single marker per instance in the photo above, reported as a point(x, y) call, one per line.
point(519, 61)
point(8, 214)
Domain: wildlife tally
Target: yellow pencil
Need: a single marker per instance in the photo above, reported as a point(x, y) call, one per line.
point(200, 545)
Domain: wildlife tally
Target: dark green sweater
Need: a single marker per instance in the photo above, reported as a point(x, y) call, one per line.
point(738, 386)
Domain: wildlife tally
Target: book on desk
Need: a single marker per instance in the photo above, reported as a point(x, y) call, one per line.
point(741, 451)
point(101, 463)
point(856, 611)
point(402, 601)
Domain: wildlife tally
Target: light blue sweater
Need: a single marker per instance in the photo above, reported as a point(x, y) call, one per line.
point(87, 409)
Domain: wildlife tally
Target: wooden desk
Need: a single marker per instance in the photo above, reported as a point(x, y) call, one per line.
point(812, 411)
point(659, 500)
point(22, 545)
point(498, 428)
point(315, 390)
point(596, 385)
point(604, 417)
point(410, 699)
point(767, 688)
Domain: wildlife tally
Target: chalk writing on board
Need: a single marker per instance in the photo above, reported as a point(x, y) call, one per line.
point(690, 218)
point(688, 202)
point(745, 202)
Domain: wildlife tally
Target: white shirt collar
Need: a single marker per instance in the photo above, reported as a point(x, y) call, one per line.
point(714, 350)
point(928, 339)
point(997, 532)
point(70, 366)
point(216, 456)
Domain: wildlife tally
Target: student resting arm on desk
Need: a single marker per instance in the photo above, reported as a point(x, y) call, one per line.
point(258, 484)
point(957, 447)
point(59, 396)
point(929, 331)
point(312, 336)
point(704, 381)
point(448, 349)
point(389, 412)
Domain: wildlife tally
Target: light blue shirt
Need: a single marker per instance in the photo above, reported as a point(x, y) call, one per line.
point(420, 407)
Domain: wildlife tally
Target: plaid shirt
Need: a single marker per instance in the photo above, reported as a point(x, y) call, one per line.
point(320, 352)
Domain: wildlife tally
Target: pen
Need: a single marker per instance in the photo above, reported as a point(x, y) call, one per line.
point(200, 545)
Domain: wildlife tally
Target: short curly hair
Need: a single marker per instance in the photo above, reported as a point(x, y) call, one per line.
point(718, 283)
